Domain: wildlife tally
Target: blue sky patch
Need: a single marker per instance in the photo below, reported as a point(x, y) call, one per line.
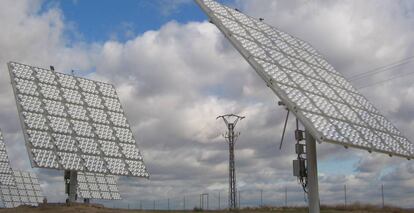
point(102, 20)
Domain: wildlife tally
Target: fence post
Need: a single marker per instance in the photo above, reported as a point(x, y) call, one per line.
point(286, 199)
point(382, 195)
point(239, 200)
point(261, 197)
point(219, 201)
point(345, 195)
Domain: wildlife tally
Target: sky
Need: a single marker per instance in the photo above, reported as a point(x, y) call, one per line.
point(175, 73)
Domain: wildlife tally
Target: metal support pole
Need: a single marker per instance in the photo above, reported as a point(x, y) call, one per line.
point(73, 186)
point(71, 181)
point(140, 205)
point(312, 173)
point(184, 203)
point(168, 205)
point(153, 206)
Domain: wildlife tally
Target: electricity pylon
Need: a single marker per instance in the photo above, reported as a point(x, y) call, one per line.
point(231, 120)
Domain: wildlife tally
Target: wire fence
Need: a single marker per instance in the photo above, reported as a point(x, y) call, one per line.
point(254, 198)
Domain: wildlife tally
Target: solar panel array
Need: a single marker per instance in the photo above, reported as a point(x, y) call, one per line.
point(325, 102)
point(98, 186)
point(72, 123)
point(26, 192)
point(6, 172)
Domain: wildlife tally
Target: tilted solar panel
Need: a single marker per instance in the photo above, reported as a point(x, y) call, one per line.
point(324, 101)
point(72, 123)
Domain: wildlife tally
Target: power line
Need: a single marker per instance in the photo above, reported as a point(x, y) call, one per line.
point(387, 80)
point(381, 69)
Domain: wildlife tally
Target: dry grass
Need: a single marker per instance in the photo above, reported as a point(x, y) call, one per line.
point(81, 208)
point(358, 207)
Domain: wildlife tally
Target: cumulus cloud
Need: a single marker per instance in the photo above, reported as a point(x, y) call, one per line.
point(174, 81)
point(169, 7)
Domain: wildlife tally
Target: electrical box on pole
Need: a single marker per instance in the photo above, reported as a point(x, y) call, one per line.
point(299, 168)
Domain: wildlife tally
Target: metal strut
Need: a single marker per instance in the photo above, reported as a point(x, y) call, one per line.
point(284, 130)
point(280, 103)
point(231, 139)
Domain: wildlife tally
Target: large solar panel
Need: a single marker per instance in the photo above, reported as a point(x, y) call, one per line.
point(26, 192)
point(325, 102)
point(72, 123)
point(6, 172)
point(98, 186)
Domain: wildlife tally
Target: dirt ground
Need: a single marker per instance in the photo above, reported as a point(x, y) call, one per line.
point(99, 209)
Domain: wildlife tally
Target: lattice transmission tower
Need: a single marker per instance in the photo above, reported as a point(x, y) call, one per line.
point(231, 120)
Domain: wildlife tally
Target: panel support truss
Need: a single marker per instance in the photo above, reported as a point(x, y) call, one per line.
point(71, 181)
point(312, 173)
point(231, 139)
